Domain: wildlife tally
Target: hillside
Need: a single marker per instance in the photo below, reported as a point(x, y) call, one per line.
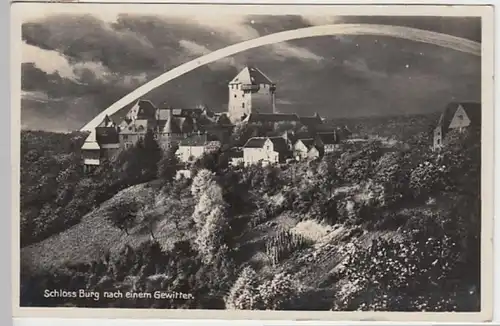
point(379, 219)
point(338, 234)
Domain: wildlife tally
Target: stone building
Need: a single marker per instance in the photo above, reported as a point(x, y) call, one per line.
point(250, 92)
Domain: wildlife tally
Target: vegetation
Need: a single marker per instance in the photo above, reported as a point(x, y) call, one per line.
point(398, 228)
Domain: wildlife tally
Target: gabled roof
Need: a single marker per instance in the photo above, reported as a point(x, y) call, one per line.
point(136, 126)
point(255, 142)
point(279, 143)
point(251, 75)
point(142, 109)
point(308, 142)
point(472, 109)
point(106, 123)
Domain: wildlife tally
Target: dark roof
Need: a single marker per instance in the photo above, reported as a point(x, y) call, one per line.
point(472, 109)
point(235, 153)
point(195, 140)
point(187, 112)
point(251, 75)
point(176, 125)
point(279, 143)
point(271, 117)
point(255, 142)
point(107, 123)
point(314, 120)
point(143, 109)
point(328, 138)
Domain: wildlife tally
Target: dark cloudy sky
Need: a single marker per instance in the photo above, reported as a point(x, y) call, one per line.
point(76, 65)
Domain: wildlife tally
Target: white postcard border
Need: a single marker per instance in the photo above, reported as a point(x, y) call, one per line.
point(487, 44)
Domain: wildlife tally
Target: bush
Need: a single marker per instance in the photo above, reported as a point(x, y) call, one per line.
point(399, 276)
point(283, 244)
point(280, 292)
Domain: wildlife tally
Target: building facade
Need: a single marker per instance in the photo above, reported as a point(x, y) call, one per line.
point(456, 116)
point(265, 150)
point(195, 147)
point(250, 92)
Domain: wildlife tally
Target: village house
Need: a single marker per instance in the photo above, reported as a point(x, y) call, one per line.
point(169, 127)
point(304, 149)
point(236, 157)
point(328, 141)
point(456, 116)
point(251, 101)
point(196, 146)
point(266, 150)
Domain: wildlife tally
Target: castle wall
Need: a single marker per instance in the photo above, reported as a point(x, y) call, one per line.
point(262, 101)
point(238, 104)
point(245, 99)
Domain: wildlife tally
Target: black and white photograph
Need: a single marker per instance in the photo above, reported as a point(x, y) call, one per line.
point(244, 158)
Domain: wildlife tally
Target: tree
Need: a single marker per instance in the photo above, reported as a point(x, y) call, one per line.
point(279, 293)
point(168, 165)
point(210, 237)
point(244, 292)
point(147, 217)
point(201, 181)
point(123, 215)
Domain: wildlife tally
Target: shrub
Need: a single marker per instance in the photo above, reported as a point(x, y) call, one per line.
point(123, 215)
point(243, 294)
point(283, 244)
point(391, 275)
point(427, 179)
point(278, 293)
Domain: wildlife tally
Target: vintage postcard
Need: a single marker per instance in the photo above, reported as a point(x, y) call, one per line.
point(289, 162)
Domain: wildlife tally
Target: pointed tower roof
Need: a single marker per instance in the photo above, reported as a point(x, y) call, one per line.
point(251, 75)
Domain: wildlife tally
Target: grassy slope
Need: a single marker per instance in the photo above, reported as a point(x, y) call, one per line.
point(94, 235)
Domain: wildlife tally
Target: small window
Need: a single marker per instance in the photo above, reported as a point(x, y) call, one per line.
point(235, 96)
point(243, 105)
point(438, 141)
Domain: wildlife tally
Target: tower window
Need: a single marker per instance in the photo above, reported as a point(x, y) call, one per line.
point(235, 95)
point(243, 105)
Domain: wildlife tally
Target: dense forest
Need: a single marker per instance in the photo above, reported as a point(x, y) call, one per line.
point(410, 222)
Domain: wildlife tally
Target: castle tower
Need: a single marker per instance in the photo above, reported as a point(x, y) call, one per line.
point(250, 92)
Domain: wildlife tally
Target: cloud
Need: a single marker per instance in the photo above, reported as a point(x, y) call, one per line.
point(49, 61)
point(36, 96)
point(82, 64)
point(195, 49)
point(239, 28)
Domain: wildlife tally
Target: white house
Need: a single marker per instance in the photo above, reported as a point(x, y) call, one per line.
point(236, 158)
point(457, 116)
point(267, 150)
point(306, 149)
point(194, 147)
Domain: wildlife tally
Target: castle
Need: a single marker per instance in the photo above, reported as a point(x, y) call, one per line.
point(250, 92)
point(251, 100)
